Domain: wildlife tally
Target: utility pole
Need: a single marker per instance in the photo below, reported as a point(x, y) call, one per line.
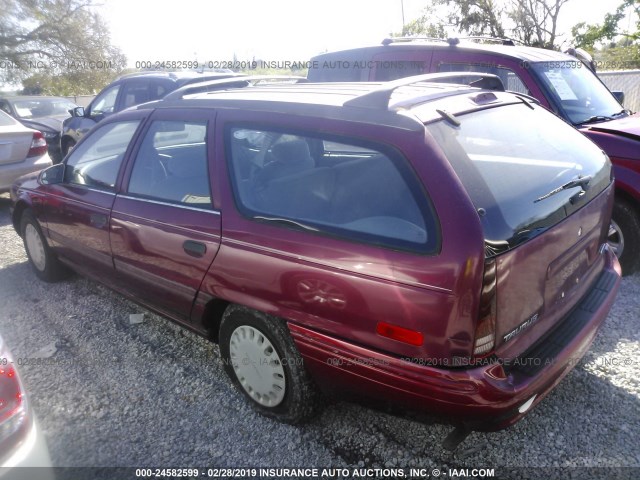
point(402, 7)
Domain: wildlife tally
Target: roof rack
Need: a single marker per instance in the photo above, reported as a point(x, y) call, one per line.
point(390, 40)
point(502, 41)
point(451, 40)
point(379, 97)
point(141, 73)
point(232, 82)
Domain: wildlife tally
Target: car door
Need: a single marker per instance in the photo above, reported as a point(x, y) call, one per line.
point(165, 226)
point(77, 210)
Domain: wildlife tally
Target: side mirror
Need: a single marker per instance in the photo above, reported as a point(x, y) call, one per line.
point(77, 112)
point(52, 175)
point(619, 96)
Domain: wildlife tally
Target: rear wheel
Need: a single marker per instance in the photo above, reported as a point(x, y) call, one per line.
point(624, 236)
point(262, 361)
point(42, 259)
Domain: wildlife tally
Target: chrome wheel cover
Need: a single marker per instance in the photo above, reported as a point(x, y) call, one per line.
point(35, 247)
point(257, 366)
point(615, 239)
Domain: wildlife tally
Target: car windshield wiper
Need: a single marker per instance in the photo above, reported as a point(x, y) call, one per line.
point(622, 112)
point(594, 119)
point(580, 181)
point(285, 221)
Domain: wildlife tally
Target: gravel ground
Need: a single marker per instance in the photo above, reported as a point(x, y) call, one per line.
point(153, 394)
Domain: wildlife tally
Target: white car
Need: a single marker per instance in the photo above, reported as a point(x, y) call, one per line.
point(23, 444)
point(22, 151)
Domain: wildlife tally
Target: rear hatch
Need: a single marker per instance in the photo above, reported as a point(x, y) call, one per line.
point(543, 193)
point(15, 140)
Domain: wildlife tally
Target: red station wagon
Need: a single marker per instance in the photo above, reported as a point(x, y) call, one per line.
point(561, 83)
point(439, 247)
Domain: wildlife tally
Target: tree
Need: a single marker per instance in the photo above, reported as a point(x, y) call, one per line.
point(427, 25)
point(586, 36)
point(531, 22)
point(476, 17)
point(56, 38)
point(536, 21)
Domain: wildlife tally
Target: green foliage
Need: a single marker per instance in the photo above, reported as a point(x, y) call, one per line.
point(56, 41)
point(82, 82)
point(531, 22)
point(587, 36)
point(424, 26)
point(622, 56)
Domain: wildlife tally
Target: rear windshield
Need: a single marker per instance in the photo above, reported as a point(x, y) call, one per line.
point(524, 169)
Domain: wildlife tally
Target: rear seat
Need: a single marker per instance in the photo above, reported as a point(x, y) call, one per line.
point(341, 194)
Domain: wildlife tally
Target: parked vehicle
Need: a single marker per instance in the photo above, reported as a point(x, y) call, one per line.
point(127, 91)
point(560, 82)
point(22, 150)
point(23, 443)
point(439, 247)
point(41, 113)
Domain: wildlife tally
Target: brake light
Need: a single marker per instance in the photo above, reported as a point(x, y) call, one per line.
point(485, 337)
point(400, 334)
point(13, 408)
point(38, 145)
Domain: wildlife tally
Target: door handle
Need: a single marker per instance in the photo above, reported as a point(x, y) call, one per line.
point(194, 249)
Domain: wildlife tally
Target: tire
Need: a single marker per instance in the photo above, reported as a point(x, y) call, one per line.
point(67, 146)
point(624, 236)
point(256, 347)
point(43, 261)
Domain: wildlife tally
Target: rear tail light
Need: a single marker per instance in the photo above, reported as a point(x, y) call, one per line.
point(13, 408)
point(38, 145)
point(485, 337)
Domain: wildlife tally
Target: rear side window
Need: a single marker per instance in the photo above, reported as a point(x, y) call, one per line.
point(330, 186)
point(514, 162)
point(171, 164)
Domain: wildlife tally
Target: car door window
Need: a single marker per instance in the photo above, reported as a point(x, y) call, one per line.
point(171, 164)
point(96, 161)
point(510, 79)
point(135, 93)
point(338, 187)
point(106, 101)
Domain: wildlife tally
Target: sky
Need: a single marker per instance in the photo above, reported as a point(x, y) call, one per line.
point(273, 30)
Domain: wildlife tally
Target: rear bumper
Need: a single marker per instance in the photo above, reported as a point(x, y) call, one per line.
point(481, 398)
point(10, 172)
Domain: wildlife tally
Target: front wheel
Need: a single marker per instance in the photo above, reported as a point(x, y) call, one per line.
point(624, 236)
point(44, 262)
point(262, 361)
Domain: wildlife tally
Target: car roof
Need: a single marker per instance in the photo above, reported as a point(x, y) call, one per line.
point(33, 97)
point(516, 52)
point(355, 101)
point(176, 76)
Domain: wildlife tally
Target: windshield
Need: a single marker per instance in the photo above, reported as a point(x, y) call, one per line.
point(524, 169)
point(42, 107)
point(580, 95)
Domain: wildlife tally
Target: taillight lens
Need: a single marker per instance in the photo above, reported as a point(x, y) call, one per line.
point(38, 145)
point(485, 337)
point(13, 408)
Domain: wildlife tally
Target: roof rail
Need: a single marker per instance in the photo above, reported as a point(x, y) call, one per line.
point(390, 40)
point(147, 72)
point(379, 97)
point(232, 82)
point(503, 41)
